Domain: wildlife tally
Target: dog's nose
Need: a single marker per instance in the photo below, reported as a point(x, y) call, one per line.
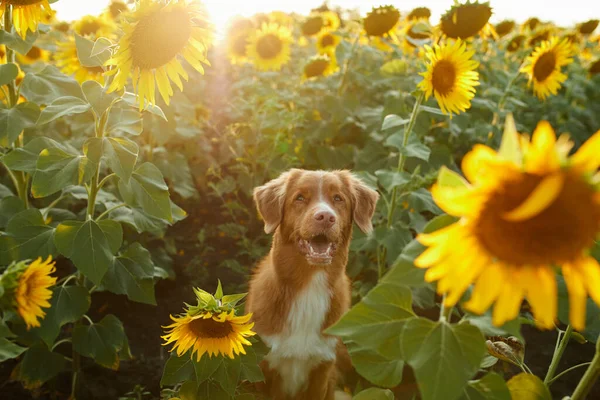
point(325, 218)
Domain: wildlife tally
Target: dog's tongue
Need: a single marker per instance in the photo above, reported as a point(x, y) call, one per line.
point(319, 244)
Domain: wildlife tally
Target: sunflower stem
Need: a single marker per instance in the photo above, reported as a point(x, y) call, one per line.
point(567, 371)
point(401, 161)
point(502, 100)
point(105, 213)
point(558, 353)
point(10, 55)
point(590, 377)
point(347, 64)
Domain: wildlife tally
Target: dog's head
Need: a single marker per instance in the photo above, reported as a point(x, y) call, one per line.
point(314, 210)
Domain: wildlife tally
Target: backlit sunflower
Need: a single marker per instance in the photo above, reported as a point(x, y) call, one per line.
point(419, 13)
point(331, 21)
point(531, 24)
point(465, 20)
point(67, 60)
point(540, 36)
point(26, 14)
point(515, 43)
point(588, 27)
point(208, 332)
point(320, 65)
point(158, 35)
point(327, 41)
point(544, 66)
point(117, 8)
point(34, 55)
point(94, 26)
point(312, 25)
point(382, 21)
point(450, 76)
point(416, 32)
point(594, 69)
point(505, 27)
point(526, 209)
point(238, 33)
point(269, 48)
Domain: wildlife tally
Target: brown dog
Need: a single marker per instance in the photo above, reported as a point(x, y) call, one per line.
point(301, 287)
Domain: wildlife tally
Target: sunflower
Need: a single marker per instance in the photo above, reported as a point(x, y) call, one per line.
point(505, 27)
point(544, 66)
point(67, 60)
point(213, 333)
point(94, 26)
point(419, 13)
point(465, 20)
point(540, 36)
point(269, 48)
point(515, 43)
point(527, 209)
point(331, 21)
point(450, 76)
point(154, 40)
point(415, 33)
point(63, 27)
point(382, 21)
point(237, 37)
point(34, 55)
point(116, 8)
point(594, 69)
point(531, 24)
point(588, 27)
point(320, 65)
point(327, 42)
point(312, 25)
point(26, 14)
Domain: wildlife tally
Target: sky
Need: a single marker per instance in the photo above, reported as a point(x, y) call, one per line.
point(559, 11)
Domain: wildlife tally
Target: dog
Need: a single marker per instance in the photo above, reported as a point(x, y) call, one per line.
point(301, 287)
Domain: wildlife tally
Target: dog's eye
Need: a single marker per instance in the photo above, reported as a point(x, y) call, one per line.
point(337, 197)
point(299, 198)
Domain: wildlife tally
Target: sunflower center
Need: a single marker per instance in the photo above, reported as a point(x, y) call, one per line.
point(34, 54)
point(159, 37)
point(90, 28)
point(556, 235)
point(381, 21)
point(22, 2)
point(595, 68)
point(544, 66)
point(312, 26)
point(269, 46)
point(327, 41)
point(316, 68)
point(116, 8)
point(209, 328)
point(443, 77)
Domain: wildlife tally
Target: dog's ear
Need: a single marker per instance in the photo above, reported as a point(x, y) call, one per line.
point(269, 200)
point(365, 200)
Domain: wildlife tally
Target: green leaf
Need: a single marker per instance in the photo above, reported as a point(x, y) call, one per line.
point(210, 390)
point(48, 85)
point(391, 179)
point(219, 292)
point(147, 189)
point(92, 54)
point(121, 156)
point(393, 121)
point(132, 274)
point(233, 299)
point(25, 158)
point(376, 368)
point(451, 179)
point(132, 100)
point(228, 374)
point(113, 232)
point(14, 120)
point(8, 73)
point(250, 369)
point(68, 305)
point(510, 147)
point(528, 387)
point(375, 394)
point(421, 200)
point(206, 367)
point(56, 169)
point(87, 245)
point(63, 106)
point(377, 320)
point(27, 237)
point(15, 42)
point(39, 365)
point(9, 206)
point(101, 341)
point(177, 369)
point(490, 387)
point(9, 350)
point(432, 110)
point(96, 96)
point(124, 119)
point(443, 356)
point(414, 147)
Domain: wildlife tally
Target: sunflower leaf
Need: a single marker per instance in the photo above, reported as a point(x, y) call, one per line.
point(374, 394)
point(27, 236)
point(206, 367)
point(147, 189)
point(8, 73)
point(63, 106)
point(14, 120)
point(101, 341)
point(39, 365)
point(490, 387)
point(92, 54)
point(177, 369)
point(15, 42)
point(376, 368)
point(526, 386)
point(219, 292)
point(48, 85)
point(9, 350)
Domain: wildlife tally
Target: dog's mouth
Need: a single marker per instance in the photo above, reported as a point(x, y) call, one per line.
point(318, 250)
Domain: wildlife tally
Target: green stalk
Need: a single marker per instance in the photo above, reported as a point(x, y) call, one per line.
point(401, 161)
point(558, 353)
point(347, 64)
point(590, 377)
point(550, 382)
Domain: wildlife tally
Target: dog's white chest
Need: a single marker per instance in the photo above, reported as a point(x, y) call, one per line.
point(300, 346)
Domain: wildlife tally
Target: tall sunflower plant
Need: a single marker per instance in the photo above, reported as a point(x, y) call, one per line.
point(77, 193)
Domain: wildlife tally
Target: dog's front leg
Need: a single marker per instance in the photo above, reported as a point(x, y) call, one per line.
point(321, 384)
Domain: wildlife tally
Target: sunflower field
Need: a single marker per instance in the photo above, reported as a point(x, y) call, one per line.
point(131, 141)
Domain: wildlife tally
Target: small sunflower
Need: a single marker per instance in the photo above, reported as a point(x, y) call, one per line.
point(588, 27)
point(382, 21)
point(320, 65)
point(416, 32)
point(312, 25)
point(594, 69)
point(26, 14)
point(116, 9)
point(327, 41)
point(544, 66)
point(451, 76)
point(523, 212)
point(515, 43)
point(67, 60)
point(94, 26)
point(540, 36)
point(154, 40)
point(419, 13)
point(505, 27)
point(465, 20)
point(35, 54)
point(238, 33)
point(531, 24)
point(63, 27)
point(269, 48)
point(331, 21)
